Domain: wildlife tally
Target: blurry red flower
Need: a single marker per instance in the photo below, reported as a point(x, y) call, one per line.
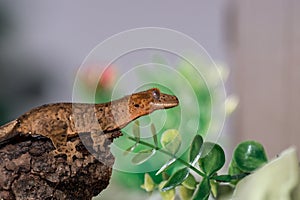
point(100, 77)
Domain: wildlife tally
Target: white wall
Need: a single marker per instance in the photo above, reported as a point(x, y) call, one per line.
point(264, 52)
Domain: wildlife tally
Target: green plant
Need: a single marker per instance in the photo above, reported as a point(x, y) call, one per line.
point(193, 115)
point(205, 159)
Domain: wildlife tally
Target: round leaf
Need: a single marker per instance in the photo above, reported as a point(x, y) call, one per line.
point(142, 156)
point(212, 158)
point(249, 156)
point(195, 149)
point(171, 140)
point(176, 179)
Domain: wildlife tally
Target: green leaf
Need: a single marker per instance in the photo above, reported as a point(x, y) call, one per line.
point(203, 190)
point(129, 149)
point(249, 156)
point(185, 193)
point(222, 178)
point(149, 184)
point(212, 158)
point(166, 195)
point(195, 149)
point(214, 188)
point(176, 179)
point(190, 182)
point(153, 130)
point(171, 140)
point(136, 130)
point(165, 176)
point(278, 179)
point(165, 166)
point(234, 170)
point(142, 156)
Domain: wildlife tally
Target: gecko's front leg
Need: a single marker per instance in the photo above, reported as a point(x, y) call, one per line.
point(98, 140)
point(56, 131)
point(101, 140)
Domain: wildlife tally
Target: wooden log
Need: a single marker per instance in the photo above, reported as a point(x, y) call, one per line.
point(28, 170)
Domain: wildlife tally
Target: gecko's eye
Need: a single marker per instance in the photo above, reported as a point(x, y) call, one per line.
point(156, 94)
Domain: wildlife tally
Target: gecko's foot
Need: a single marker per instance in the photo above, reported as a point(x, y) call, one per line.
point(115, 135)
point(98, 141)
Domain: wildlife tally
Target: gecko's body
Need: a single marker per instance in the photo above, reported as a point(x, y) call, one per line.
point(61, 121)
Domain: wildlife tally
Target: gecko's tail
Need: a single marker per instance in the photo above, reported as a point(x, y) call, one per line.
point(6, 131)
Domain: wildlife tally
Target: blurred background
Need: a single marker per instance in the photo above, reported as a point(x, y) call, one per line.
point(43, 43)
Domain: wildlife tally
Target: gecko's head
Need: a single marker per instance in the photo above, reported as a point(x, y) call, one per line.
point(145, 102)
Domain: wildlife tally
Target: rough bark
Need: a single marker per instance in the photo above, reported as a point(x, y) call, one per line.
point(28, 170)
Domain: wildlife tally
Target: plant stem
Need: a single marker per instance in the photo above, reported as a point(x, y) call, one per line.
point(169, 154)
point(228, 178)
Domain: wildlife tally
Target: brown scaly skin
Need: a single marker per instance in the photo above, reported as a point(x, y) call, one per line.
point(61, 121)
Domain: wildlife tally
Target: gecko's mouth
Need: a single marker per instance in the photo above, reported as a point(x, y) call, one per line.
point(166, 101)
point(171, 105)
